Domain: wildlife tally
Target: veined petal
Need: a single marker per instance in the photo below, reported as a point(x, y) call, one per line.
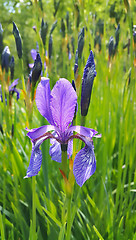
point(55, 150)
point(37, 133)
point(84, 164)
point(35, 161)
point(63, 102)
point(70, 148)
point(87, 132)
point(36, 155)
point(43, 99)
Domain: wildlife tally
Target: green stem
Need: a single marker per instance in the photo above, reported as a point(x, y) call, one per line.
point(21, 75)
point(64, 159)
point(68, 219)
point(34, 209)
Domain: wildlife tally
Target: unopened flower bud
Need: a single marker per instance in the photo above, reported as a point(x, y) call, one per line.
point(87, 84)
point(111, 46)
point(81, 42)
point(5, 60)
point(36, 70)
point(18, 40)
point(12, 65)
point(43, 32)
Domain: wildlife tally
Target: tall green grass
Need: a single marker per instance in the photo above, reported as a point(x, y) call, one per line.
point(105, 207)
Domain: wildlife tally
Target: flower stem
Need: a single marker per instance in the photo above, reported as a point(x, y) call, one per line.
point(34, 209)
point(64, 159)
point(68, 218)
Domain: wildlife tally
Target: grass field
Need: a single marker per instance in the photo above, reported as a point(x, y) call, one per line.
point(40, 207)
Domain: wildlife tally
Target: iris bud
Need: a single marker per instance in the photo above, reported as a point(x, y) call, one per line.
point(5, 59)
point(11, 65)
point(80, 42)
point(63, 27)
point(36, 70)
point(44, 30)
point(111, 46)
point(18, 40)
point(87, 84)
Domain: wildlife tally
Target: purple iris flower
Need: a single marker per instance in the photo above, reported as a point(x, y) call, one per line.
point(58, 107)
point(12, 89)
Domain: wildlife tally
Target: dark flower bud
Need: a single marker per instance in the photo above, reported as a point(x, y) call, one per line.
point(18, 40)
point(5, 58)
point(50, 46)
point(44, 30)
point(111, 46)
point(117, 32)
point(1, 39)
point(63, 27)
point(53, 27)
point(87, 84)
point(36, 70)
point(76, 65)
point(67, 20)
point(81, 42)
point(41, 4)
point(56, 7)
point(12, 65)
point(72, 43)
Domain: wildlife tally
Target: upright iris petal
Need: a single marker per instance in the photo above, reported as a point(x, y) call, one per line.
point(58, 107)
point(63, 99)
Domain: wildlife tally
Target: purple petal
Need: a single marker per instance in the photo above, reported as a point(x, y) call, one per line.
point(31, 65)
point(55, 150)
point(63, 102)
point(33, 54)
point(70, 148)
point(87, 132)
point(37, 133)
point(13, 84)
point(84, 164)
point(35, 162)
point(43, 99)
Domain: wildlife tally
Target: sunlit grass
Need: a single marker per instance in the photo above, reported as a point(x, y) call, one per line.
point(104, 208)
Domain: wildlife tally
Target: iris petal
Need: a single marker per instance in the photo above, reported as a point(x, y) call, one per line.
point(39, 132)
point(63, 102)
point(87, 132)
point(55, 150)
point(35, 162)
point(43, 99)
point(84, 164)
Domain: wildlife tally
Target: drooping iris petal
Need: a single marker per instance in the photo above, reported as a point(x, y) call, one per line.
point(55, 150)
point(43, 99)
point(88, 132)
point(37, 133)
point(63, 102)
point(35, 162)
point(84, 164)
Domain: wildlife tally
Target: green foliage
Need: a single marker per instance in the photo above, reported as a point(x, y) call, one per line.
point(105, 207)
